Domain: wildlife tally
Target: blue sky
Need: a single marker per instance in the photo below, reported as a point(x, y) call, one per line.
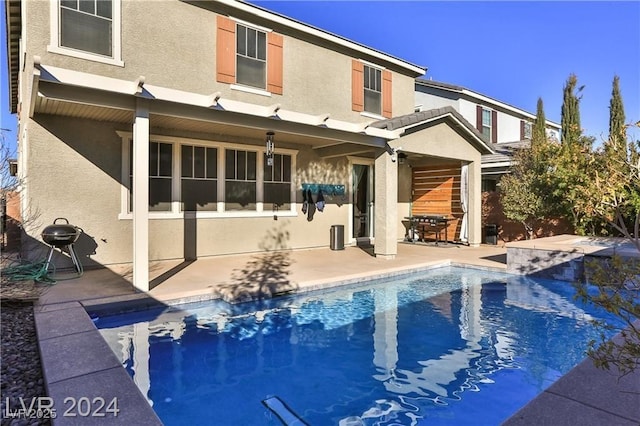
point(511, 51)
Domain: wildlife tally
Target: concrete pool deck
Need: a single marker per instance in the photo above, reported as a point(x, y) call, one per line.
point(77, 362)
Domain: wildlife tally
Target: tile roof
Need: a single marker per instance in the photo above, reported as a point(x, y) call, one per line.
point(479, 97)
point(427, 115)
point(503, 152)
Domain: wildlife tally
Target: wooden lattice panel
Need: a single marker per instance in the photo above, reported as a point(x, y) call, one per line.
point(436, 191)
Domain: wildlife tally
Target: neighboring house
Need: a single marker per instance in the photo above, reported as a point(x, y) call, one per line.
point(508, 129)
point(505, 126)
point(179, 129)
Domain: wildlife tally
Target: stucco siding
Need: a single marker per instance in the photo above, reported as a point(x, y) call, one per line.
point(173, 44)
point(74, 173)
point(428, 99)
point(508, 128)
point(468, 110)
point(439, 140)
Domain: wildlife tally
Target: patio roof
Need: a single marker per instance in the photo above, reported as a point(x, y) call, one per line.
point(415, 121)
point(77, 94)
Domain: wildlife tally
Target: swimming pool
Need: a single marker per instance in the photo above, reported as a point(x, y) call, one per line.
point(444, 346)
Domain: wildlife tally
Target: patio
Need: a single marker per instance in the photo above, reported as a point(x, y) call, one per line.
point(242, 277)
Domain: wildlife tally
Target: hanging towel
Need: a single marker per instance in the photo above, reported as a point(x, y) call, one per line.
point(311, 207)
point(320, 201)
point(305, 201)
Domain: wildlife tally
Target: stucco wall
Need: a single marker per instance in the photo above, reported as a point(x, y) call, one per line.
point(430, 98)
point(173, 44)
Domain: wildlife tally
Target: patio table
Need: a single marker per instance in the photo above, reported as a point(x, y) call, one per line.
point(429, 223)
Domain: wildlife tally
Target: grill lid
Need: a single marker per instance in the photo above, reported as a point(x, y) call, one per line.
point(60, 234)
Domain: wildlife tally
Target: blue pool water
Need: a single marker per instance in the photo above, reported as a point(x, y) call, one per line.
point(446, 346)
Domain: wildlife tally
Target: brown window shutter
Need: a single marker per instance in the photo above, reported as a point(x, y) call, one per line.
point(226, 50)
point(357, 86)
point(494, 126)
point(479, 118)
point(387, 98)
point(274, 63)
point(521, 130)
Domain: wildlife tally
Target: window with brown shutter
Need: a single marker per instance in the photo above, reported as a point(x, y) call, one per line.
point(274, 63)
point(249, 56)
point(521, 130)
point(486, 123)
point(225, 50)
point(494, 126)
point(386, 94)
point(371, 89)
point(357, 86)
point(479, 118)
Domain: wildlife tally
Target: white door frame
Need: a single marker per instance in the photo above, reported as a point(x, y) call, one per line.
point(365, 162)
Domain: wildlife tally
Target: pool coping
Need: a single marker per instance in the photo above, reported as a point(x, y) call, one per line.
point(88, 368)
point(571, 244)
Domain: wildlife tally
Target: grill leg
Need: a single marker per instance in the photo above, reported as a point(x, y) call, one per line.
point(46, 266)
point(74, 258)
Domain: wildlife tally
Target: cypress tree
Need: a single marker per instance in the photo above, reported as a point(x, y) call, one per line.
point(539, 129)
point(570, 121)
point(617, 129)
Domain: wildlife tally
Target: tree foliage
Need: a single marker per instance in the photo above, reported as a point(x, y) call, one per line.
point(539, 132)
point(613, 195)
point(570, 113)
point(523, 192)
point(599, 190)
point(617, 127)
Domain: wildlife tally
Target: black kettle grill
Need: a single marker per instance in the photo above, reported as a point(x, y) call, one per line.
point(61, 235)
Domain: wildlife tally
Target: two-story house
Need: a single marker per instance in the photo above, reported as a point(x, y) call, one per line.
point(505, 126)
point(180, 129)
point(508, 129)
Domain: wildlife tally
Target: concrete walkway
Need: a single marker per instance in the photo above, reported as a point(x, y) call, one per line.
point(77, 362)
point(242, 277)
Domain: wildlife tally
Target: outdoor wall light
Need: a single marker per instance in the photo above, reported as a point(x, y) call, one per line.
point(270, 148)
point(402, 157)
point(394, 153)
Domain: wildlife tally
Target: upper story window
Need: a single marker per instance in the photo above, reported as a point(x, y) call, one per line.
point(87, 25)
point(371, 89)
point(88, 29)
point(249, 56)
point(527, 130)
point(487, 123)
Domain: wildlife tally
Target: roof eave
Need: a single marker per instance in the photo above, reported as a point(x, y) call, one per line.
point(411, 69)
point(13, 29)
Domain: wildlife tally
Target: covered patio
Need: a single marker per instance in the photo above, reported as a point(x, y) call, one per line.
point(142, 114)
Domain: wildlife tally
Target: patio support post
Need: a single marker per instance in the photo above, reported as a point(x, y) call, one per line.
point(141, 196)
point(475, 204)
point(386, 207)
